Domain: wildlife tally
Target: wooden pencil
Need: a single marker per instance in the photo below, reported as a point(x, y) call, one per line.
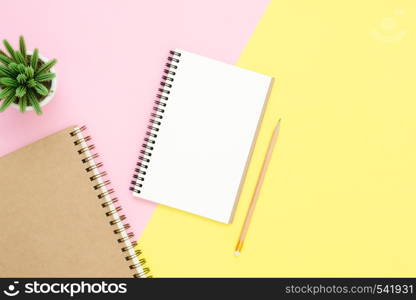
point(259, 184)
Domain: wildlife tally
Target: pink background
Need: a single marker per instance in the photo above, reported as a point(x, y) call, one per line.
point(110, 60)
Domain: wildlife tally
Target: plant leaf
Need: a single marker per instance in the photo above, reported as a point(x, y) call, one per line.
point(14, 70)
point(46, 67)
point(31, 83)
point(20, 91)
point(23, 104)
point(41, 89)
point(3, 74)
point(21, 68)
point(7, 71)
point(19, 57)
point(4, 59)
point(33, 101)
point(45, 77)
point(29, 72)
point(9, 49)
point(22, 46)
point(21, 78)
point(34, 59)
point(6, 92)
point(6, 102)
point(7, 81)
point(4, 53)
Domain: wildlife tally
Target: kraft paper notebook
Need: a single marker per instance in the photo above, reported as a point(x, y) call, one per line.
point(339, 196)
point(58, 218)
point(200, 135)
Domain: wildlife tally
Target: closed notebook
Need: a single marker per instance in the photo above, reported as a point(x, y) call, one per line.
point(200, 135)
point(58, 218)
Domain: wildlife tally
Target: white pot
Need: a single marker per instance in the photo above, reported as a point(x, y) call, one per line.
point(52, 90)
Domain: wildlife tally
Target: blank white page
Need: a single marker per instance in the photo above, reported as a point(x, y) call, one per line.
point(205, 137)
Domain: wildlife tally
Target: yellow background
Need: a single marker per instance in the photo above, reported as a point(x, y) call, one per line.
point(339, 198)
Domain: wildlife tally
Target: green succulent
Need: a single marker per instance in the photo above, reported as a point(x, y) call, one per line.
point(24, 78)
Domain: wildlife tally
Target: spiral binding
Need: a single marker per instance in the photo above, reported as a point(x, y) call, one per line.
point(155, 121)
point(104, 194)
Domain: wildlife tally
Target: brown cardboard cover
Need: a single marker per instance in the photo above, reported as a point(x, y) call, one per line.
point(51, 221)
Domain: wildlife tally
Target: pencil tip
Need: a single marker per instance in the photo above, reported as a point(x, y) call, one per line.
point(237, 253)
point(277, 124)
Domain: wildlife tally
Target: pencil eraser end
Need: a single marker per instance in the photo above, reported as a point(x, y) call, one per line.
point(237, 253)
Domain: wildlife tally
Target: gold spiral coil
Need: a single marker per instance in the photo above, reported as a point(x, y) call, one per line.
point(119, 230)
point(100, 184)
point(109, 202)
point(99, 175)
point(82, 140)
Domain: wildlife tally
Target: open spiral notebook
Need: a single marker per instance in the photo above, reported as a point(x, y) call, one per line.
point(59, 219)
point(200, 135)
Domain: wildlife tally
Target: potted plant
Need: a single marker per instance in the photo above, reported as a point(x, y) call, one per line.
point(27, 79)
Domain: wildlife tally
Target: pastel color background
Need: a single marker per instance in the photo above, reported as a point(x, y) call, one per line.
point(339, 196)
point(110, 60)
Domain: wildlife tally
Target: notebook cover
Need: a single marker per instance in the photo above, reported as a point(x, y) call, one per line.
point(52, 223)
